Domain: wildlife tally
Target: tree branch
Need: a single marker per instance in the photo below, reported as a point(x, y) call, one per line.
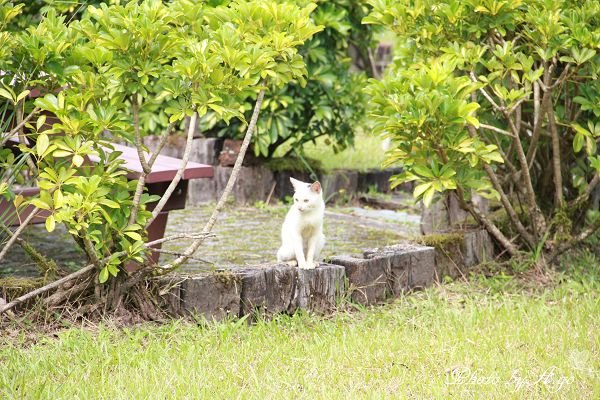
point(15, 235)
point(538, 218)
point(489, 225)
point(539, 107)
point(22, 139)
point(89, 268)
point(161, 144)
point(135, 205)
point(18, 127)
point(577, 239)
point(372, 65)
point(173, 185)
point(486, 95)
point(587, 192)
point(556, 166)
point(514, 218)
point(178, 253)
point(46, 288)
point(135, 108)
point(139, 189)
point(228, 188)
point(493, 128)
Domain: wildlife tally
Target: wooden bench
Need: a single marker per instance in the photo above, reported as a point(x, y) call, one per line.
point(163, 171)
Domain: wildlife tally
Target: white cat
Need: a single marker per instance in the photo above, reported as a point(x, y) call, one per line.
point(302, 236)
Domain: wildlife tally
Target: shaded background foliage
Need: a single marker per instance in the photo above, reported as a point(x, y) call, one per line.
point(331, 103)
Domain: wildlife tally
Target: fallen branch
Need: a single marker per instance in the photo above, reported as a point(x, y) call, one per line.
point(46, 288)
point(87, 269)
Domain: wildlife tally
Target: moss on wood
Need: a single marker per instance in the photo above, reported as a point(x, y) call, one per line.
point(13, 287)
point(441, 240)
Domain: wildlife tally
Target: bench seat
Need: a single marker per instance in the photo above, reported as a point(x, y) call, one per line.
point(163, 171)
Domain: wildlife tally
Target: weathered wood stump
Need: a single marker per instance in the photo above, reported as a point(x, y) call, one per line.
point(386, 272)
point(267, 290)
point(367, 278)
point(338, 184)
point(447, 215)
point(214, 296)
point(317, 289)
point(457, 251)
point(261, 178)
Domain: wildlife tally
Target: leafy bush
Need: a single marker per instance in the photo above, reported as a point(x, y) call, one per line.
point(497, 98)
point(330, 102)
point(116, 74)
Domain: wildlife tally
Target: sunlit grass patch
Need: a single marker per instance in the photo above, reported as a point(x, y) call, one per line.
point(456, 341)
point(367, 153)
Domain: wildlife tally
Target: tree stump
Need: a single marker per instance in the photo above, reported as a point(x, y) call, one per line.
point(317, 289)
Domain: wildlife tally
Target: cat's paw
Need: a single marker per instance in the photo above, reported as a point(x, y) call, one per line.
point(307, 265)
point(292, 263)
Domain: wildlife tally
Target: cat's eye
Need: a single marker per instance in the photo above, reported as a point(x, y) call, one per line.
point(306, 200)
point(295, 199)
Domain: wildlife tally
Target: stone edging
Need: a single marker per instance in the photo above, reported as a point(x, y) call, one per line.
point(372, 278)
point(280, 288)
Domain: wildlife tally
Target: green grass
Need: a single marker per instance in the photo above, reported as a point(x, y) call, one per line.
point(486, 339)
point(366, 154)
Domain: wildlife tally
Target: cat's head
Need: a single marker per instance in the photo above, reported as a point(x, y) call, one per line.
point(307, 196)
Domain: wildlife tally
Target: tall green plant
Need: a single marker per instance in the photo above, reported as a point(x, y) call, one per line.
point(125, 71)
point(498, 98)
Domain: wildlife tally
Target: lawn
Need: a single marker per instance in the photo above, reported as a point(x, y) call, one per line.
point(367, 153)
point(489, 338)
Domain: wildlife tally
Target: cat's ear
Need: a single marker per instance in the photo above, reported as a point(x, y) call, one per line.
point(296, 183)
point(316, 187)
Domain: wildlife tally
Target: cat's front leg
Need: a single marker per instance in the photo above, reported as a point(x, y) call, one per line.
point(299, 250)
point(313, 249)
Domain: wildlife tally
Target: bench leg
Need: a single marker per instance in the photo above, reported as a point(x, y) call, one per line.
point(156, 230)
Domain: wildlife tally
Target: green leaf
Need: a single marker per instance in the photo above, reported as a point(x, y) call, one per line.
point(109, 203)
point(42, 144)
point(113, 269)
point(103, 276)
point(472, 121)
point(423, 171)
point(420, 189)
point(494, 156)
point(62, 153)
point(7, 95)
point(22, 95)
point(578, 141)
point(40, 204)
point(77, 160)
point(133, 235)
point(58, 198)
point(50, 223)
point(40, 121)
point(428, 197)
